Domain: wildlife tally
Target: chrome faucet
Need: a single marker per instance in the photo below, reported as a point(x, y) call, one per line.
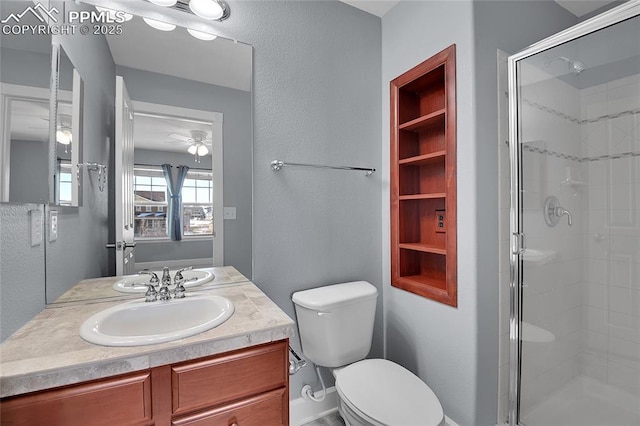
point(178, 276)
point(166, 276)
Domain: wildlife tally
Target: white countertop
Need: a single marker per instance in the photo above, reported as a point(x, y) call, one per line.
point(49, 352)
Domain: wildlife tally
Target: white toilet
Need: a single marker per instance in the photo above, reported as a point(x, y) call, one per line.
point(336, 326)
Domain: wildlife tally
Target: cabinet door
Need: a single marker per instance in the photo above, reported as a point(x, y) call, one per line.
point(123, 400)
point(262, 410)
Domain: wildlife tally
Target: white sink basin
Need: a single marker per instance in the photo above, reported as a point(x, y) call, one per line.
point(138, 323)
point(137, 283)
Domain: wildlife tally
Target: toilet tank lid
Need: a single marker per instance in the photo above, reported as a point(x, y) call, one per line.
point(327, 296)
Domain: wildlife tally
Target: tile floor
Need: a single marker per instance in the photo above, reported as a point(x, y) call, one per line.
point(332, 419)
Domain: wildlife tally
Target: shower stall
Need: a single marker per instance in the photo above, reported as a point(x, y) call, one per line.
point(574, 235)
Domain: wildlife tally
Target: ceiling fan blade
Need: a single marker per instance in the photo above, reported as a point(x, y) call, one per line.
point(180, 137)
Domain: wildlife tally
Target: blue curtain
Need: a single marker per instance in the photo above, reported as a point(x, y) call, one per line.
point(174, 187)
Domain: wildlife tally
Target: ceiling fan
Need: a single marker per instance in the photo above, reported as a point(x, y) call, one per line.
point(198, 142)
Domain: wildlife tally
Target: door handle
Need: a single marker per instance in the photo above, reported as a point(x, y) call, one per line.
point(120, 245)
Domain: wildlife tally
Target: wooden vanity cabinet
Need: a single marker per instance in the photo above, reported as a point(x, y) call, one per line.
point(245, 387)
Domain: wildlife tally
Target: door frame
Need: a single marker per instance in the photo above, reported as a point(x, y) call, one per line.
point(216, 119)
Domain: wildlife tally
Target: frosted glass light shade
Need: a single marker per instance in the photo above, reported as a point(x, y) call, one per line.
point(192, 149)
point(200, 35)
point(63, 137)
point(207, 9)
point(202, 150)
point(162, 26)
point(165, 3)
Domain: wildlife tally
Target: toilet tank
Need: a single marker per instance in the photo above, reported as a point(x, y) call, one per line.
point(335, 322)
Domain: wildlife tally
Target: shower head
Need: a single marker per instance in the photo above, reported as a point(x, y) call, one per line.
point(575, 66)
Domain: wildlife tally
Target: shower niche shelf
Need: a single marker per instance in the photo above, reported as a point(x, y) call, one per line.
point(423, 179)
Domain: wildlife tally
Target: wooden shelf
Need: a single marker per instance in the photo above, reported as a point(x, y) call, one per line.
point(435, 118)
point(422, 196)
point(423, 248)
point(423, 179)
point(424, 159)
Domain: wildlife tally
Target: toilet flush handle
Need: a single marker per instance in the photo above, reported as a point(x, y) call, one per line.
point(323, 314)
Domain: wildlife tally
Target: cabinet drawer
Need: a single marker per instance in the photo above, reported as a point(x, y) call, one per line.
point(261, 410)
point(228, 377)
point(123, 400)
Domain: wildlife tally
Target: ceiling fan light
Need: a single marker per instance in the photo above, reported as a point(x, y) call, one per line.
point(192, 149)
point(207, 9)
point(201, 36)
point(162, 26)
point(63, 137)
point(202, 150)
point(165, 3)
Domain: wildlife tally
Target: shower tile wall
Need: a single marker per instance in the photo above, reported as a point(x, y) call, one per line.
point(584, 285)
point(611, 305)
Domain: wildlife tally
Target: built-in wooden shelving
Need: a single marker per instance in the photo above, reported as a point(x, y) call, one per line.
point(423, 179)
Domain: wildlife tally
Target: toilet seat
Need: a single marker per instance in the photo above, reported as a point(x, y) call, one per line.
point(384, 393)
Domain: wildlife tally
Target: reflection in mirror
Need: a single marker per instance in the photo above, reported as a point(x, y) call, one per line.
point(68, 132)
point(25, 70)
point(174, 71)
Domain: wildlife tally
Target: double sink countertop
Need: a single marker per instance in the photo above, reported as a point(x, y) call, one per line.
point(48, 351)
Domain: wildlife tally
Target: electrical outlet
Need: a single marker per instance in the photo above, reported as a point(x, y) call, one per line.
point(35, 227)
point(53, 225)
point(441, 220)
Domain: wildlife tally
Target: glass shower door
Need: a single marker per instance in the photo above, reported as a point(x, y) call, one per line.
point(576, 225)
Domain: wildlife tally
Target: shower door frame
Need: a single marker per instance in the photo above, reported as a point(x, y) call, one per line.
point(616, 15)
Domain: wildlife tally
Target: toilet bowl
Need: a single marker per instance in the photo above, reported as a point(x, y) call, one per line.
point(336, 328)
point(379, 392)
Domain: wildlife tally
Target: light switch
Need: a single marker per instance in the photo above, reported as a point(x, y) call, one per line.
point(35, 227)
point(53, 225)
point(229, 213)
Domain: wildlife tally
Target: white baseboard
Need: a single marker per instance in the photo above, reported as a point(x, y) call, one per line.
point(303, 411)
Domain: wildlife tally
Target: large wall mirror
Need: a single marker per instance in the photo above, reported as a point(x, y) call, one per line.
point(193, 95)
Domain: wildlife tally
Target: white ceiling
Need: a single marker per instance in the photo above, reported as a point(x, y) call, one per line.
point(577, 7)
point(153, 132)
point(222, 62)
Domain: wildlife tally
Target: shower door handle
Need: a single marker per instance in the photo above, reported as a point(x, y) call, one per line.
point(520, 243)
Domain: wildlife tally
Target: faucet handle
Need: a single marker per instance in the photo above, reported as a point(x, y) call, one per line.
point(154, 277)
point(179, 276)
point(151, 295)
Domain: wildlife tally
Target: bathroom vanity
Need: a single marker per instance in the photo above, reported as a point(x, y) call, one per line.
point(236, 373)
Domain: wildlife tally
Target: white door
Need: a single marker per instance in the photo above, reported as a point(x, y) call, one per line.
point(124, 245)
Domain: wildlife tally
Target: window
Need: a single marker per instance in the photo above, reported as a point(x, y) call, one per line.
point(65, 182)
point(150, 203)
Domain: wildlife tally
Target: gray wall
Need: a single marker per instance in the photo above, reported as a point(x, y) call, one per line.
point(456, 350)
point(21, 268)
point(236, 107)
point(317, 100)
point(28, 180)
point(150, 251)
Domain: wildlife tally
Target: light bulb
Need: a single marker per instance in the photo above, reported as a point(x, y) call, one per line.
point(192, 149)
point(162, 26)
point(165, 3)
point(207, 9)
point(202, 36)
point(202, 150)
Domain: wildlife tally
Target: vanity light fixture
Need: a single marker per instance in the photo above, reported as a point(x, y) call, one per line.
point(213, 10)
point(162, 26)
point(165, 3)
point(201, 36)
